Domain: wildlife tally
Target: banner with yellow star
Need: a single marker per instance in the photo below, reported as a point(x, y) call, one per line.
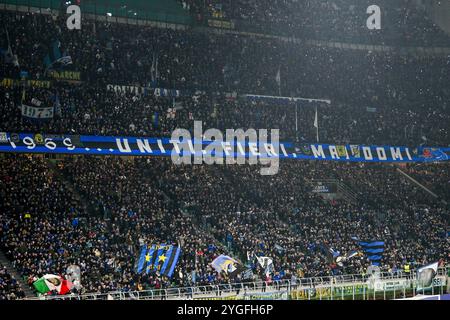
point(160, 259)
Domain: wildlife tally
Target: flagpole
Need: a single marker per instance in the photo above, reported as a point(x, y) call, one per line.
point(296, 118)
point(317, 126)
point(7, 36)
point(278, 79)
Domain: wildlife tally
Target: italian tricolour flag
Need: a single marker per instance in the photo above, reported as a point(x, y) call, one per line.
point(51, 282)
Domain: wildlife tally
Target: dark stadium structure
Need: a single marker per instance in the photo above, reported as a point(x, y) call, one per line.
point(142, 69)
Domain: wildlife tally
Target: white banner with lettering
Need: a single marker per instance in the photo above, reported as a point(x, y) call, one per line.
point(36, 112)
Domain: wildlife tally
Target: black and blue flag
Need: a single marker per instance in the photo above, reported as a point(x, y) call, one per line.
point(141, 260)
point(374, 251)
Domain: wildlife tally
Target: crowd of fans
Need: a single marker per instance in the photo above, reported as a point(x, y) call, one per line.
point(377, 97)
point(262, 224)
point(436, 178)
point(45, 227)
point(9, 287)
point(97, 212)
point(402, 21)
point(86, 110)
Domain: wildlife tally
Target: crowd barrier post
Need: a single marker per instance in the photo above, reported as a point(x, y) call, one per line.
point(353, 296)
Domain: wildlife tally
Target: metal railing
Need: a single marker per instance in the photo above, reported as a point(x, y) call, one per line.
point(353, 287)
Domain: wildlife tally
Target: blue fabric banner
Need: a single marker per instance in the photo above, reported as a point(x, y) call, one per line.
point(134, 146)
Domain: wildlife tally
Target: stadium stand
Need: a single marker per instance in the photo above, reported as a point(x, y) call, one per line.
point(290, 225)
point(339, 20)
point(359, 112)
point(97, 212)
point(9, 287)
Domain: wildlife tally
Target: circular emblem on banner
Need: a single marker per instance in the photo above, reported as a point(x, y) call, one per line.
point(39, 139)
point(14, 137)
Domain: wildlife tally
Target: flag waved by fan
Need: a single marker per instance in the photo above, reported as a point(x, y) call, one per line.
point(50, 283)
point(374, 251)
point(224, 263)
point(426, 275)
point(161, 259)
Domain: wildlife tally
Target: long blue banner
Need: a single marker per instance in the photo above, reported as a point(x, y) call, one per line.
point(135, 146)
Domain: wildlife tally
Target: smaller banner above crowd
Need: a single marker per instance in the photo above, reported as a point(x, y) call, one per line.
point(282, 100)
point(144, 91)
point(9, 83)
point(322, 187)
point(37, 112)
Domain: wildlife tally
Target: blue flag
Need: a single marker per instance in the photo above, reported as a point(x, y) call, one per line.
point(159, 256)
point(155, 119)
point(171, 258)
point(149, 258)
point(141, 261)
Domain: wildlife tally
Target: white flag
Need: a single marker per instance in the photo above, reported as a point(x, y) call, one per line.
point(316, 125)
point(278, 77)
point(66, 60)
point(265, 262)
point(316, 121)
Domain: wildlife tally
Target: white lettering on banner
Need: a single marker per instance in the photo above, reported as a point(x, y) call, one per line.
point(333, 152)
point(283, 150)
point(68, 143)
point(142, 90)
point(144, 146)
point(253, 149)
point(127, 148)
point(175, 146)
point(407, 154)
point(235, 152)
point(241, 136)
point(29, 142)
point(13, 145)
point(161, 147)
point(37, 113)
point(381, 154)
point(50, 144)
point(318, 151)
point(391, 285)
point(270, 149)
point(367, 153)
point(396, 154)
